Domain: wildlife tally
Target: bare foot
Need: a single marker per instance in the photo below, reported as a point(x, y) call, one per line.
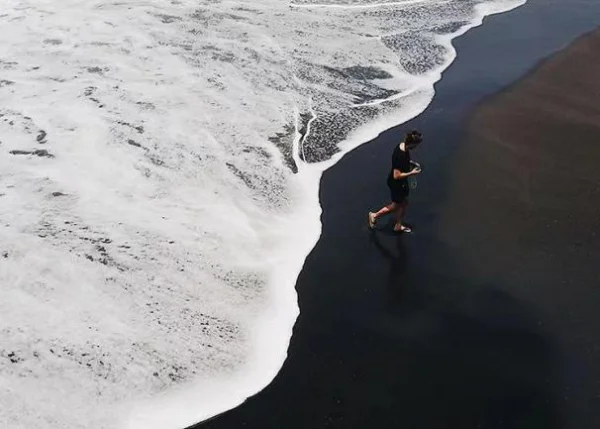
point(372, 220)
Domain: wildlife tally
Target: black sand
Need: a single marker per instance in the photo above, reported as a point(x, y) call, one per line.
point(524, 209)
point(486, 316)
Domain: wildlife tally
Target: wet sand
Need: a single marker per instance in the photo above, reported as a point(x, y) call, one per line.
point(484, 316)
point(524, 210)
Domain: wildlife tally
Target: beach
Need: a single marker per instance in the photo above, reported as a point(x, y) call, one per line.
point(184, 189)
point(534, 229)
point(484, 317)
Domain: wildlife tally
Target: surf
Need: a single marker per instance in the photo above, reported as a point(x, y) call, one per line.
point(152, 253)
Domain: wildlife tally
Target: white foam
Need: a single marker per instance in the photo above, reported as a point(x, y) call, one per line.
point(157, 289)
point(361, 4)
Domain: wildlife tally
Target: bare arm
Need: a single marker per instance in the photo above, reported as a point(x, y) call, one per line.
point(400, 175)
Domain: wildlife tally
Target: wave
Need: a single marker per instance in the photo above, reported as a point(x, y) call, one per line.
point(159, 173)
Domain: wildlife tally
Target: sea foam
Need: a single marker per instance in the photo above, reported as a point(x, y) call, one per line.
point(159, 173)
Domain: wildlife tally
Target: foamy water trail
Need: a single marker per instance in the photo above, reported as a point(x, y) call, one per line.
point(159, 173)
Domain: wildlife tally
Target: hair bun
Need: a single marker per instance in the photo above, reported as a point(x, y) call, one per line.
point(414, 137)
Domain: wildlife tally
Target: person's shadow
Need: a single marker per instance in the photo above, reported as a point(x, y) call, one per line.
point(397, 257)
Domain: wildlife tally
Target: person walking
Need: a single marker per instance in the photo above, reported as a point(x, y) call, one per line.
point(397, 181)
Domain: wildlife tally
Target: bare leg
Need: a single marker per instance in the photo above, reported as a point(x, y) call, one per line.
point(390, 208)
point(400, 214)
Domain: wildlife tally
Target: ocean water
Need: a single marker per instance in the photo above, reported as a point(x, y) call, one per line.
point(159, 173)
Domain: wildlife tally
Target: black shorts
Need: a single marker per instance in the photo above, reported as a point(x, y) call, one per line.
point(398, 194)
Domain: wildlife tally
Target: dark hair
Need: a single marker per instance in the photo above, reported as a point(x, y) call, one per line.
point(413, 137)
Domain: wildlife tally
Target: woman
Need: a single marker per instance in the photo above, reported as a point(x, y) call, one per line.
point(397, 181)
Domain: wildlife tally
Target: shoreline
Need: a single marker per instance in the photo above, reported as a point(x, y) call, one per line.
point(302, 350)
point(257, 374)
